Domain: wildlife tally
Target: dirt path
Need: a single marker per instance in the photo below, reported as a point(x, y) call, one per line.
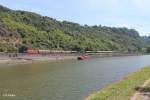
point(143, 92)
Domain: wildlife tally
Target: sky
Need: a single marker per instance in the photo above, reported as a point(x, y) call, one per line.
point(115, 13)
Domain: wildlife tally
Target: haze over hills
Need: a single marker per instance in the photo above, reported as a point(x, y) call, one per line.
point(19, 29)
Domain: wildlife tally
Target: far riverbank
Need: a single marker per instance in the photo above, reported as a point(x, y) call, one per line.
point(25, 59)
point(22, 58)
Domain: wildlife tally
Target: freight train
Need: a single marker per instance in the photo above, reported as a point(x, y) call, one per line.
point(38, 51)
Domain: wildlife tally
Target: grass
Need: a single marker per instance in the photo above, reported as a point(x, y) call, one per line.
point(124, 89)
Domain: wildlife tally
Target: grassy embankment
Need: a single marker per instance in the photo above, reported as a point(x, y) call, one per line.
point(124, 89)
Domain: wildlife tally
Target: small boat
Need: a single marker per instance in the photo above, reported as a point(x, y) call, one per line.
point(83, 57)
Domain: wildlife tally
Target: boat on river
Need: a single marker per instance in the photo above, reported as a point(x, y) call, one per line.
point(83, 57)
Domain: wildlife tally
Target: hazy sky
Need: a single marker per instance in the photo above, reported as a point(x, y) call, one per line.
point(119, 13)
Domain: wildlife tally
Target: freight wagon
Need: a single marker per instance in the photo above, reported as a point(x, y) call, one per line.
point(36, 51)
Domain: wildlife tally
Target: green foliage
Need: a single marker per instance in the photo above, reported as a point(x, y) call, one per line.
point(3, 49)
point(22, 48)
point(12, 50)
point(41, 32)
point(148, 49)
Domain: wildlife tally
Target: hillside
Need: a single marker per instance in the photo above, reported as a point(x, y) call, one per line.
point(19, 29)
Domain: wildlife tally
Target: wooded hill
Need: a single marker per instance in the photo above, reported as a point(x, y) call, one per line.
point(20, 29)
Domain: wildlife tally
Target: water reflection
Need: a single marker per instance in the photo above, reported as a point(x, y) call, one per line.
point(68, 80)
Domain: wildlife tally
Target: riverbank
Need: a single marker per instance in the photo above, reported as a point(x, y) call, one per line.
point(143, 92)
point(124, 89)
point(34, 59)
point(23, 58)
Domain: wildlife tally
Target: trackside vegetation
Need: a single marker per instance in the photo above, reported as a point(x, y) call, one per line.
point(124, 89)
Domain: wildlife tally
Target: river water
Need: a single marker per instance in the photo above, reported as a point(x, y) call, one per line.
point(65, 80)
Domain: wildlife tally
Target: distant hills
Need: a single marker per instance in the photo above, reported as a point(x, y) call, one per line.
point(20, 29)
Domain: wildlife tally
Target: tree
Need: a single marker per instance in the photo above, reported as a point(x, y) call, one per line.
point(148, 49)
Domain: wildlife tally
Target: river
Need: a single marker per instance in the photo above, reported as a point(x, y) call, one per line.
point(65, 80)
